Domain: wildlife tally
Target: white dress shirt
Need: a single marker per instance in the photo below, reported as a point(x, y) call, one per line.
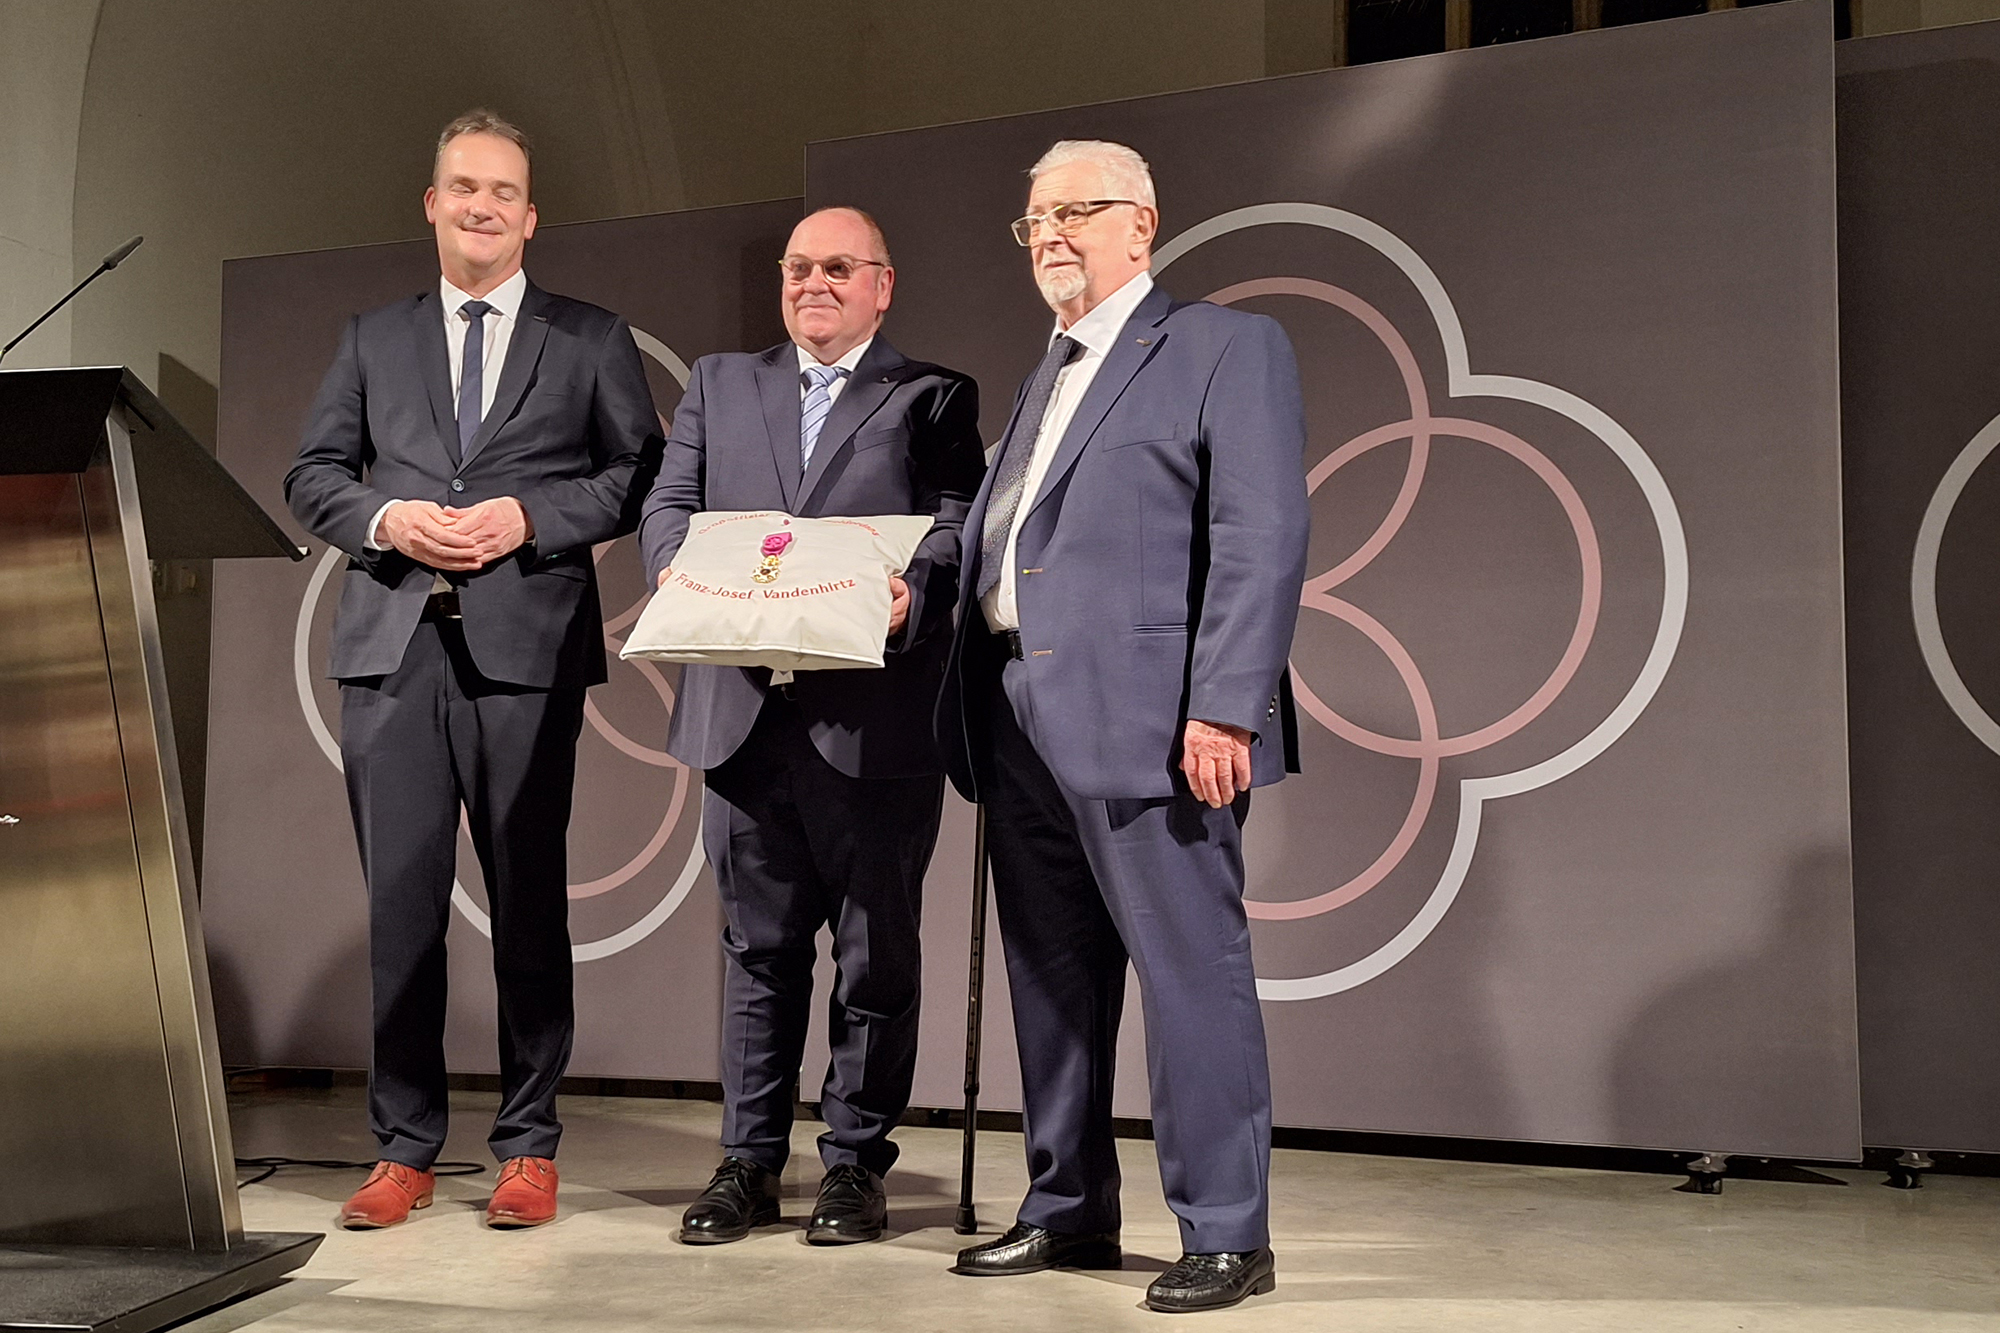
point(500, 320)
point(807, 360)
point(1098, 332)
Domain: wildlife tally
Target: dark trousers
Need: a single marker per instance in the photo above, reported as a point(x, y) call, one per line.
point(1083, 886)
point(796, 845)
point(418, 745)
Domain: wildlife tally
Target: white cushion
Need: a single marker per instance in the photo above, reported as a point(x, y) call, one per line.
point(766, 588)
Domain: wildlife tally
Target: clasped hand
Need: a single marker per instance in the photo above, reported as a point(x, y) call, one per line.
point(458, 539)
point(899, 598)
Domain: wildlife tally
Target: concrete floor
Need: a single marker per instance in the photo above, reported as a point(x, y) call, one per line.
point(1363, 1244)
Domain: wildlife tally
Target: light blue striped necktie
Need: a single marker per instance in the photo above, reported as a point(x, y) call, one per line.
point(812, 412)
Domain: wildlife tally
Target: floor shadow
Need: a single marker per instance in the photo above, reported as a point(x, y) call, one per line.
point(1137, 1270)
point(662, 1198)
point(923, 1217)
point(244, 1311)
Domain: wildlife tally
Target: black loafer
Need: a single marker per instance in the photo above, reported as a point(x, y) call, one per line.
point(1212, 1281)
point(740, 1195)
point(1033, 1249)
point(852, 1208)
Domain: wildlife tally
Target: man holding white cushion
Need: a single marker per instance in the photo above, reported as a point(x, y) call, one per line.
point(824, 792)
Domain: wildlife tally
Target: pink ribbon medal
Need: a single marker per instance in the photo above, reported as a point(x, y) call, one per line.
point(773, 551)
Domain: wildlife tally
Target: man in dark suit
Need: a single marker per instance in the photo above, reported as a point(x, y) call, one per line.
point(467, 449)
point(1131, 581)
point(823, 794)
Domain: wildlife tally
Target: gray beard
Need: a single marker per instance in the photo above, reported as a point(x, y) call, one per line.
point(1063, 285)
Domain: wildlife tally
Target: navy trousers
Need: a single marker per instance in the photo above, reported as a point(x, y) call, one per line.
point(797, 845)
point(1083, 886)
point(418, 745)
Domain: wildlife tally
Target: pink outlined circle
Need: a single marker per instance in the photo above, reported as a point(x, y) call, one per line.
point(1430, 747)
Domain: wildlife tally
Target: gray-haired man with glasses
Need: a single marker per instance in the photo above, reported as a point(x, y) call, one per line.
point(1131, 583)
point(823, 794)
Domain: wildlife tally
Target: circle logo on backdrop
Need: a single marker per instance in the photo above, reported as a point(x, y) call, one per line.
point(1426, 428)
point(1924, 588)
point(669, 860)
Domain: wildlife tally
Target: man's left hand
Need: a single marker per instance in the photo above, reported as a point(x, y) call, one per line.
point(500, 526)
point(1216, 759)
point(899, 603)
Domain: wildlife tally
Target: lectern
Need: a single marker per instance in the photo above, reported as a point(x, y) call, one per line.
point(118, 1203)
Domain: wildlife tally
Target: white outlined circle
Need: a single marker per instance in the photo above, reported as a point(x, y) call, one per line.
point(1923, 588)
point(590, 950)
point(1462, 383)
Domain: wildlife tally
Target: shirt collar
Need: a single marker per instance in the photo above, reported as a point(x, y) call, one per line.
point(847, 363)
point(505, 299)
point(1098, 330)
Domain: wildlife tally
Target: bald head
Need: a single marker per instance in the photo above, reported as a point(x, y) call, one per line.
point(840, 302)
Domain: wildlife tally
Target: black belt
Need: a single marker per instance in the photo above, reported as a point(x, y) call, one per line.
point(442, 605)
point(1010, 641)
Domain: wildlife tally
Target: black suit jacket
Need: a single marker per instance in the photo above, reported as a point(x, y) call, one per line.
point(568, 435)
point(902, 438)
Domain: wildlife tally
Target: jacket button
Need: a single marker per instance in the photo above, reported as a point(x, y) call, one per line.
point(457, 484)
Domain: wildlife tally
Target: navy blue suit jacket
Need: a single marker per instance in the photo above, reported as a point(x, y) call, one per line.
point(572, 435)
point(902, 438)
point(1159, 566)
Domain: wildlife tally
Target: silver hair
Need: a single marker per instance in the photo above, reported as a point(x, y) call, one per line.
point(1122, 167)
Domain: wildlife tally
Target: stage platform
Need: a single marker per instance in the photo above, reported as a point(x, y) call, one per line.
point(1364, 1244)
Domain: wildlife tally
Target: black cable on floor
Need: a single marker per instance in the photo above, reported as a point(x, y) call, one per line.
point(272, 1165)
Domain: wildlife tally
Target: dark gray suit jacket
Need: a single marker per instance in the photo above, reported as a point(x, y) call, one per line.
point(1159, 565)
point(572, 434)
point(902, 438)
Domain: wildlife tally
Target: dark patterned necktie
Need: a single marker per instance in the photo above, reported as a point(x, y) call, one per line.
point(471, 374)
point(1016, 452)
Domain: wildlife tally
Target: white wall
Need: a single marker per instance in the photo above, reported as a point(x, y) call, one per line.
point(44, 51)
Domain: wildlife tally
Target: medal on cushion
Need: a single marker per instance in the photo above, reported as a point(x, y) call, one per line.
point(773, 552)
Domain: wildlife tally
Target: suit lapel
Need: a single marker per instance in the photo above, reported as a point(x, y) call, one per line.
point(524, 353)
point(873, 380)
point(1127, 356)
point(778, 387)
point(434, 366)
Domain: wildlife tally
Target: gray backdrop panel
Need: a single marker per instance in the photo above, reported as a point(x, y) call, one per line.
point(1566, 864)
point(1920, 357)
point(284, 908)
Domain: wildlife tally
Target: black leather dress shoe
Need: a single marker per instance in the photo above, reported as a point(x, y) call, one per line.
point(1033, 1249)
point(740, 1195)
point(852, 1208)
point(1212, 1281)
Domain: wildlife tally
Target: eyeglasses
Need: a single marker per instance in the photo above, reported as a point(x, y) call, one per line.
point(1063, 219)
point(837, 270)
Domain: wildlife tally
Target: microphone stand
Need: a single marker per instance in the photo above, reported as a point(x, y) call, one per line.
point(111, 261)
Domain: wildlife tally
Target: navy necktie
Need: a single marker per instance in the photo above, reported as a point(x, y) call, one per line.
point(472, 374)
point(1016, 452)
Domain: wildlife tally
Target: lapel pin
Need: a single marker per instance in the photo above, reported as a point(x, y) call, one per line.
point(1145, 342)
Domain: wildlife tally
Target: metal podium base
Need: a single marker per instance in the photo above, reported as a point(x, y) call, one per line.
point(103, 1289)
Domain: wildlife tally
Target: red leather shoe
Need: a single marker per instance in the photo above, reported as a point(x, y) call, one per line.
point(525, 1195)
point(391, 1191)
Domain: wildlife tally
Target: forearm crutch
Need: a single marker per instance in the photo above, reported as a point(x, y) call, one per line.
point(968, 1221)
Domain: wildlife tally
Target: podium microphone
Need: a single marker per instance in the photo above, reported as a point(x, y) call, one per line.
point(111, 261)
